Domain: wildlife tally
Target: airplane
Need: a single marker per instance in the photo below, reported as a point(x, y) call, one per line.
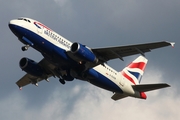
point(68, 61)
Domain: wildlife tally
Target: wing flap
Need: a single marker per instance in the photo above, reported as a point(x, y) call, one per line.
point(149, 87)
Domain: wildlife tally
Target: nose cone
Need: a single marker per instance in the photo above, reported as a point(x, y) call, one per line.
point(12, 25)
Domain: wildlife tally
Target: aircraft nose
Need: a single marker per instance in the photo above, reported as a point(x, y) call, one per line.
point(12, 22)
point(12, 25)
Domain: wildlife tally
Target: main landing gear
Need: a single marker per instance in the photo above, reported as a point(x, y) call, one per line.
point(62, 81)
point(24, 48)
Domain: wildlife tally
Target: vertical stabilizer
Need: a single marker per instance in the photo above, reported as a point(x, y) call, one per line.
point(134, 71)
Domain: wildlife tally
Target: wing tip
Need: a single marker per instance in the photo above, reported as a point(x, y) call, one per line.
point(171, 43)
point(20, 88)
point(167, 85)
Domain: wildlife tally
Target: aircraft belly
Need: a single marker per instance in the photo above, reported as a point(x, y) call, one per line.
point(101, 81)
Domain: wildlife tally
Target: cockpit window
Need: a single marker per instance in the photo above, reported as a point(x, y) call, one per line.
point(20, 18)
point(27, 20)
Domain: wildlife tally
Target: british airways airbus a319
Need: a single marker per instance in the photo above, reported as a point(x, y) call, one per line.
point(68, 61)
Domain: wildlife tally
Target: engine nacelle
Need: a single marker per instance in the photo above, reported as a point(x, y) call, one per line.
point(83, 52)
point(31, 67)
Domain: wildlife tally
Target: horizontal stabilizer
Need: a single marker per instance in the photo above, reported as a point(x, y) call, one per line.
point(118, 96)
point(149, 87)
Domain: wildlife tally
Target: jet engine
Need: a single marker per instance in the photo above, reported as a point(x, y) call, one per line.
point(83, 52)
point(31, 67)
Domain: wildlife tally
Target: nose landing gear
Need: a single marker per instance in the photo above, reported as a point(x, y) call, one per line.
point(24, 48)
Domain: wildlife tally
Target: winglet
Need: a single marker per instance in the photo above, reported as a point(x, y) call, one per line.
point(20, 88)
point(171, 43)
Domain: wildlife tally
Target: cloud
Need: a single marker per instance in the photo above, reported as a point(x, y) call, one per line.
point(98, 105)
point(94, 103)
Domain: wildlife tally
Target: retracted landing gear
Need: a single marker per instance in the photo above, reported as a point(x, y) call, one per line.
point(24, 48)
point(62, 81)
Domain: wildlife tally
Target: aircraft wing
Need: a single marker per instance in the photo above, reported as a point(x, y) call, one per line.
point(109, 53)
point(27, 79)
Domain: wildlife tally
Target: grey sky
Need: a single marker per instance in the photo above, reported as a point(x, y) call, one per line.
point(96, 24)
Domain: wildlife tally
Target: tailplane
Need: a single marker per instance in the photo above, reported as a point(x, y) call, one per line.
point(140, 90)
point(149, 87)
point(135, 70)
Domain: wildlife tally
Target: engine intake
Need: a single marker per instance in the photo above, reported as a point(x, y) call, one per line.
point(83, 52)
point(31, 67)
point(75, 47)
